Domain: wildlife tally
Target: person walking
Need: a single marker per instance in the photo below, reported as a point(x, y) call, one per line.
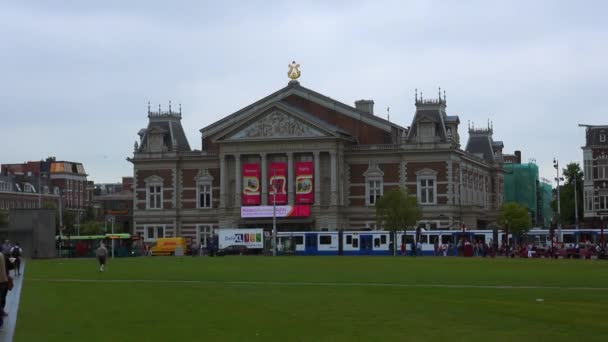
point(6, 248)
point(101, 253)
point(16, 252)
point(5, 283)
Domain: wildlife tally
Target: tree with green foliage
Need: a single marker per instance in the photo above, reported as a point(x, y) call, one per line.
point(397, 210)
point(92, 228)
point(516, 217)
point(572, 173)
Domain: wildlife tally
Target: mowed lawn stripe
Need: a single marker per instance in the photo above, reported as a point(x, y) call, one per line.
point(275, 283)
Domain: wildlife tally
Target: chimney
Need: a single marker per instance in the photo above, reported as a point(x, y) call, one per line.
point(366, 106)
point(518, 156)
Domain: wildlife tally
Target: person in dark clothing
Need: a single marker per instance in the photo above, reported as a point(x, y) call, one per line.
point(413, 246)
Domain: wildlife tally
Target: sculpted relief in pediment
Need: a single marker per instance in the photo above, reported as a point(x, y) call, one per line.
point(277, 125)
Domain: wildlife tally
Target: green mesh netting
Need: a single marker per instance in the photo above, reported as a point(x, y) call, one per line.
point(546, 193)
point(521, 186)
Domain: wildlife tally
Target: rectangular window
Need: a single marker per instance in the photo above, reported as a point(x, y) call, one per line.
point(588, 200)
point(298, 240)
point(427, 191)
point(374, 191)
point(376, 242)
point(349, 239)
point(325, 239)
point(602, 137)
point(160, 232)
point(150, 233)
point(204, 195)
point(155, 197)
point(603, 201)
point(383, 239)
point(204, 234)
point(355, 243)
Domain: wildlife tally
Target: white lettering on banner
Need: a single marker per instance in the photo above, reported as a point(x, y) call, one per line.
point(265, 211)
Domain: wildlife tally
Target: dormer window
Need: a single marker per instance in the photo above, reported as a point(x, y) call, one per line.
point(27, 187)
point(603, 137)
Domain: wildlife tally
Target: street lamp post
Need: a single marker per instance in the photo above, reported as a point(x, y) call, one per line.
point(559, 210)
point(274, 213)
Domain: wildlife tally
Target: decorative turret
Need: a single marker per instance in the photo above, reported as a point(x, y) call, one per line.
point(164, 132)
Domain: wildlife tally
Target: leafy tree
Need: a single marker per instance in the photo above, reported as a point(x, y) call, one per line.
point(572, 173)
point(516, 217)
point(92, 228)
point(396, 210)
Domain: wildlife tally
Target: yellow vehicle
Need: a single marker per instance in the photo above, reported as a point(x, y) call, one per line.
point(167, 246)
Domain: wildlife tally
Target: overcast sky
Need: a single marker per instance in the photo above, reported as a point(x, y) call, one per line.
point(76, 76)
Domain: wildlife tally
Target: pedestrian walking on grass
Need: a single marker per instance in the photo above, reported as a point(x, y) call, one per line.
point(101, 254)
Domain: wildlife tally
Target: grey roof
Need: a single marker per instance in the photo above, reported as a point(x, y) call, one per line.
point(481, 145)
point(172, 130)
point(452, 118)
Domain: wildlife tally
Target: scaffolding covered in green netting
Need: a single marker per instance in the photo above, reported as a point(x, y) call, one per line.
point(521, 186)
point(546, 196)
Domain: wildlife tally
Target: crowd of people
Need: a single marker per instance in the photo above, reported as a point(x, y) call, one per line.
point(10, 259)
point(463, 247)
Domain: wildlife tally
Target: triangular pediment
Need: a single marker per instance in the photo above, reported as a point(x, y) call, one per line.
point(275, 124)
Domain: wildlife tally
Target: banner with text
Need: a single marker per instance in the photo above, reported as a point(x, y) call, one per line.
point(251, 184)
point(304, 183)
point(250, 238)
point(265, 211)
point(277, 178)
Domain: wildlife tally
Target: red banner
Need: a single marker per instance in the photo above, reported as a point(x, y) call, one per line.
point(305, 193)
point(277, 178)
point(251, 184)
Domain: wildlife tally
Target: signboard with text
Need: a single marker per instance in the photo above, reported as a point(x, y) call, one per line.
point(265, 211)
point(250, 238)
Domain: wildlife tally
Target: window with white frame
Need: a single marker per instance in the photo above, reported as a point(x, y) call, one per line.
point(204, 234)
point(154, 192)
point(204, 195)
point(374, 190)
point(154, 232)
point(600, 169)
point(588, 200)
point(204, 189)
point(427, 188)
point(27, 187)
point(5, 186)
point(603, 137)
point(374, 184)
point(602, 201)
point(155, 196)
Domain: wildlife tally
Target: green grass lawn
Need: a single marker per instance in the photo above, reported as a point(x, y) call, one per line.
point(314, 299)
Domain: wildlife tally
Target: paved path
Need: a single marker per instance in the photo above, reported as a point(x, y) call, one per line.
point(12, 305)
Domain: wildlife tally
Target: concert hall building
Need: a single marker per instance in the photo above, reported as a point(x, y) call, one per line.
point(328, 161)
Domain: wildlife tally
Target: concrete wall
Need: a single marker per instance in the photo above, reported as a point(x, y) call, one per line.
point(34, 229)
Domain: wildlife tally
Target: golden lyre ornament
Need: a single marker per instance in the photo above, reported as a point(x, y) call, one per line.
point(294, 72)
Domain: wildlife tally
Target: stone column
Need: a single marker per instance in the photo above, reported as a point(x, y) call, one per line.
point(238, 188)
point(222, 181)
point(317, 179)
point(334, 180)
point(290, 179)
point(264, 176)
